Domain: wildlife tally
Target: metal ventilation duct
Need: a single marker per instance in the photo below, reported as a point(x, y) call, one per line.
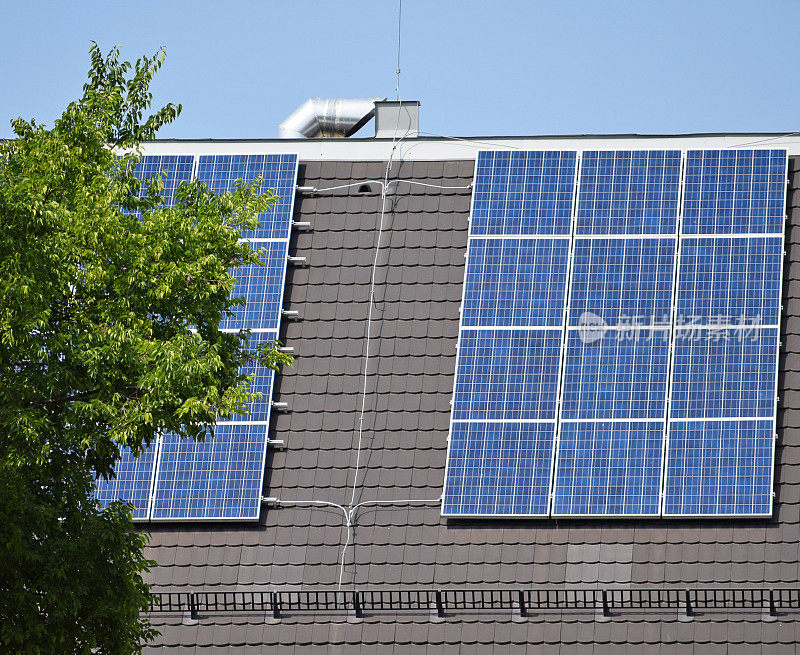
point(328, 118)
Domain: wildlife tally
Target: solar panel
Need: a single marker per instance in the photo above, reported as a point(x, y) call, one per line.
point(724, 372)
point(499, 469)
point(660, 387)
point(262, 289)
point(221, 478)
point(608, 468)
point(718, 468)
point(523, 192)
point(629, 192)
point(734, 192)
point(730, 280)
point(519, 282)
point(507, 375)
point(622, 280)
point(621, 375)
point(133, 481)
point(278, 172)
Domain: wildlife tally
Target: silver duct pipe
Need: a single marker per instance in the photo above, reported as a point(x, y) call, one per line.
point(327, 117)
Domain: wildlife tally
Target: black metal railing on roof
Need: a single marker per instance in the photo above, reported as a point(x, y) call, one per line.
point(771, 602)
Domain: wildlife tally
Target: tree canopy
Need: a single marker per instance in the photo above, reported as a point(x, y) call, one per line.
point(110, 305)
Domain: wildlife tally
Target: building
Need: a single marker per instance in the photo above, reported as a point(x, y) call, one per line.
point(450, 584)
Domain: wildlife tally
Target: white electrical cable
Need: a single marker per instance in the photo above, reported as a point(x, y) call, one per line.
point(384, 185)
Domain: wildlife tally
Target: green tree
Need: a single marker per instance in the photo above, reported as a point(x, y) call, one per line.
point(110, 305)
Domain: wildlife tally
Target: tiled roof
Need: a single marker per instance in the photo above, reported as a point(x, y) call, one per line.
point(409, 388)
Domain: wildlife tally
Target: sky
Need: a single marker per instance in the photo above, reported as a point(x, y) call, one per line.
point(479, 68)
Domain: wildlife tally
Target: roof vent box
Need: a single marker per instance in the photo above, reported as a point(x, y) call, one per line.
point(396, 119)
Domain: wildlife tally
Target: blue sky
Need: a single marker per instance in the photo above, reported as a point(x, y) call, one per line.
point(478, 67)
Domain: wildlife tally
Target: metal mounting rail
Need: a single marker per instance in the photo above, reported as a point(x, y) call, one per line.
point(523, 602)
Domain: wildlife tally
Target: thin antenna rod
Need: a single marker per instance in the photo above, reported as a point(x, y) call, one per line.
point(397, 71)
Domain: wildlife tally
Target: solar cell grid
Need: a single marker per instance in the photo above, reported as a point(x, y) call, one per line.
point(523, 192)
point(629, 192)
point(608, 469)
point(279, 173)
point(499, 469)
point(734, 281)
point(507, 375)
point(719, 468)
point(518, 282)
point(734, 191)
point(622, 280)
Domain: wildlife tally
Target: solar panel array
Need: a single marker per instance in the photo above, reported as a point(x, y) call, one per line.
point(619, 335)
point(222, 476)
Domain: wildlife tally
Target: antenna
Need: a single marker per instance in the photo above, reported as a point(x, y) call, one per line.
point(397, 71)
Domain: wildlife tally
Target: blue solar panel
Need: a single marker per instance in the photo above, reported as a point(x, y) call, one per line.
point(734, 191)
point(608, 469)
point(523, 192)
point(499, 469)
point(730, 281)
point(519, 282)
point(262, 288)
point(173, 169)
point(622, 281)
point(718, 468)
point(629, 192)
point(219, 478)
point(507, 375)
point(134, 478)
point(621, 375)
point(279, 173)
point(724, 373)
